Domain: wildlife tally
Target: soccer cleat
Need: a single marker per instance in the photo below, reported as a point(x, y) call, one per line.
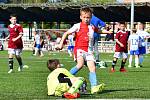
point(19, 69)
point(140, 65)
point(98, 88)
point(10, 71)
point(112, 70)
point(137, 66)
point(71, 96)
point(129, 66)
point(123, 70)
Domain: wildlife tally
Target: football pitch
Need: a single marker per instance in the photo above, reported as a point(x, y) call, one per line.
point(31, 83)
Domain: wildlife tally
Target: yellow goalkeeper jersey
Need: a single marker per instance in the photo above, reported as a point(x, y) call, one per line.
point(53, 82)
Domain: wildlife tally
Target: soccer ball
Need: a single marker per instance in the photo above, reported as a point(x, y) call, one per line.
point(101, 64)
point(25, 66)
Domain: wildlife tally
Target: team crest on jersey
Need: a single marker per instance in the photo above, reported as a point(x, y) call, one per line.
point(15, 29)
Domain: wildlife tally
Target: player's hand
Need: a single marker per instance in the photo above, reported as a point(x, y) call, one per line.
point(58, 47)
point(121, 45)
point(14, 39)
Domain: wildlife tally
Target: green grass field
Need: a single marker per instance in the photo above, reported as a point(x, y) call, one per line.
point(31, 83)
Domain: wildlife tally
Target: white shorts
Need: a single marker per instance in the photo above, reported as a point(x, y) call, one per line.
point(121, 55)
point(86, 55)
point(14, 51)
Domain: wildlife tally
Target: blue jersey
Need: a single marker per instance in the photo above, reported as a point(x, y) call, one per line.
point(98, 23)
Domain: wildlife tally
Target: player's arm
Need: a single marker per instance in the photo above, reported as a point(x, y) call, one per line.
point(104, 31)
point(63, 39)
point(70, 31)
point(129, 45)
point(7, 37)
point(117, 41)
point(19, 36)
point(20, 29)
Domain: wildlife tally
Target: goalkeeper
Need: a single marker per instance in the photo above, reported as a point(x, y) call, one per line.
point(61, 82)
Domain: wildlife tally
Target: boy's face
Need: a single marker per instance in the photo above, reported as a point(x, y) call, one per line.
point(85, 17)
point(122, 27)
point(13, 20)
point(141, 26)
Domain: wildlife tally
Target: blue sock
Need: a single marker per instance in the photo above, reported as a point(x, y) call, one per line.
point(141, 59)
point(92, 78)
point(74, 70)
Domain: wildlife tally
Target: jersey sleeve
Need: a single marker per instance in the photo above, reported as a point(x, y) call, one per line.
point(74, 28)
point(117, 35)
point(20, 29)
point(67, 73)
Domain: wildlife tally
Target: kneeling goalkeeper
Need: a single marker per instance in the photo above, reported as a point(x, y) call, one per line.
point(61, 82)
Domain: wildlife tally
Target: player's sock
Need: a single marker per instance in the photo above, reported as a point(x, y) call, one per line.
point(130, 60)
point(114, 63)
point(74, 70)
point(141, 59)
point(92, 78)
point(76, 85)
point(11, 63)
point(19, 61)
point(136, 61)
point(33, 51)
point(69, 52)
point(122, 64)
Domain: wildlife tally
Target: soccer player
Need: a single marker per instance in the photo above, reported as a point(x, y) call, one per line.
point(15, 44)
point(83, 50)
point(61, 82)
point(98, 23)
point(142, 47)
point(133, 48)
point(121, 47)
point(70, 44)
point(38, 44)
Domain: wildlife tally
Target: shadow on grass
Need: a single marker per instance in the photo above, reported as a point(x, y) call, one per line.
point(135, 71)
point(108, 91)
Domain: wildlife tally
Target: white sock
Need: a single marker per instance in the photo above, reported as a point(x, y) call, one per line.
point(130, 60)
point(69, 52)
point(136, 60)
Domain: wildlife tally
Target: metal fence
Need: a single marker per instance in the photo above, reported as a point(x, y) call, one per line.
point(103, 46)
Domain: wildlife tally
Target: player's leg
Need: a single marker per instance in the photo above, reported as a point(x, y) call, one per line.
point(142, 51)
point(116, 56)
point(125, 56)
point(130, 58)
point(95, 88)
point(69, 51)
point(19, 59)
point(137, 59)
point(96, 50)
point(76, 83)
point(80, 63)
point(11, 53)
point(72, 93)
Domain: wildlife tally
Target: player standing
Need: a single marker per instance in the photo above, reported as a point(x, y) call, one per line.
point(121, 47)
point(133, 48)
point(142, 47)
point(15, 44)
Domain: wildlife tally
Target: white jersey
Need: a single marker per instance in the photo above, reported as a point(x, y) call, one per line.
point(70, 40)
point(134, 40)
point(37, 39)
point(143, 34)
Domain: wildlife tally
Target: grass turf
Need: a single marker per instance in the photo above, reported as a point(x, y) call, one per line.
point(31, 83)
